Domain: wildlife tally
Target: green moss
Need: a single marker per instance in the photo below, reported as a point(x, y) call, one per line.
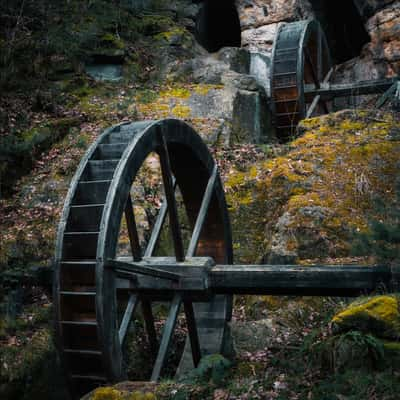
point(379, 315)
point(107, 393)
point(112, 40)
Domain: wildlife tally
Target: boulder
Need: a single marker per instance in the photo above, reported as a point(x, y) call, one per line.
point(379, 316)
point(256, 13)
point(260, 38)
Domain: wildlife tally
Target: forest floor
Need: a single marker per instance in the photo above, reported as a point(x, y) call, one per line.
point(294, 356)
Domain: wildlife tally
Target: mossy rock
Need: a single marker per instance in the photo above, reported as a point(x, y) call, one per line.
point(306, 202)
point(378, 315)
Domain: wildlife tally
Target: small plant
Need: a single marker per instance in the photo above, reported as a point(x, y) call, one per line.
point(213, 368)
point(350, 350)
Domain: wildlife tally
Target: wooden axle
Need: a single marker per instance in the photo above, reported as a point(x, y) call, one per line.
point(327, 91)
point(203, 281)
point(323, 280)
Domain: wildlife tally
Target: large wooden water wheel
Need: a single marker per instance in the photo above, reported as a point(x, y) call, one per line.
point(300, 58)
point(92, 283)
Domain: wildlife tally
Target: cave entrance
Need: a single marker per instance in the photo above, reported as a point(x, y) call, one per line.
point(218, 25)
point(343, 26)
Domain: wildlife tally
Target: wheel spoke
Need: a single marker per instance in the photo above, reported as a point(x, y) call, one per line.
point(317, 98)
point(132, 230)
point(129, 311)
point(202, 213)
point(155, 234)
point(149, 322)
point(170, 196)
point(193, 334)
point(314, 72)
point(166, 337)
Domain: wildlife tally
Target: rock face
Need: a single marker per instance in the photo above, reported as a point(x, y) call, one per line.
point(380, 57)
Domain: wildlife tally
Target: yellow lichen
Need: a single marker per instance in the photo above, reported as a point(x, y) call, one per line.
point(169, 35)
point(348, 125)
point(303, 200)
point(204, 89)
point(181, 111)
point(178, 92)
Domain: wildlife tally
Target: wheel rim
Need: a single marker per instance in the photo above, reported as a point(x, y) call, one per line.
point(300, 57)
point(91, 314)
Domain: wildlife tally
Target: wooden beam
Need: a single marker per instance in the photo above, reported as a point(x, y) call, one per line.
point(194, 241)
point(129, 311)
point(344, 280)
point(166, 337)
point(328, 91)
point(132, 230)
point(170, 196)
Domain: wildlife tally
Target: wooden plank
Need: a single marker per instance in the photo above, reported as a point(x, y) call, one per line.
point(170, 196)
point(132, 230)
point(166, 337)
point(129, 311)
point(155, 234)
point(194, 241)
point(142, 269)
point(192, 331)
point(344, 280)
point(328, 91)
point(149, 323)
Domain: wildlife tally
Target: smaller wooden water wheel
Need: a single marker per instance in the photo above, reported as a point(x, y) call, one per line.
point(94, 291)
point(300, 59)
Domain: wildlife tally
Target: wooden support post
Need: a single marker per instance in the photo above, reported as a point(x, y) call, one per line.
point(129, 311)
point(192, 330)
point(387, 95)
point(194, 241)
point(170, 196)
point(132, 230)
point(149, 322)
point(166, 337)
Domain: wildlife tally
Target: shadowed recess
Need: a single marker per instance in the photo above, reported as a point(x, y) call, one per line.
point(218, 25)
point(344, 27)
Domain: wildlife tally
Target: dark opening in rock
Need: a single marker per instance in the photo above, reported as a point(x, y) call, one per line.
point(218, 25)
point(343, 26)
